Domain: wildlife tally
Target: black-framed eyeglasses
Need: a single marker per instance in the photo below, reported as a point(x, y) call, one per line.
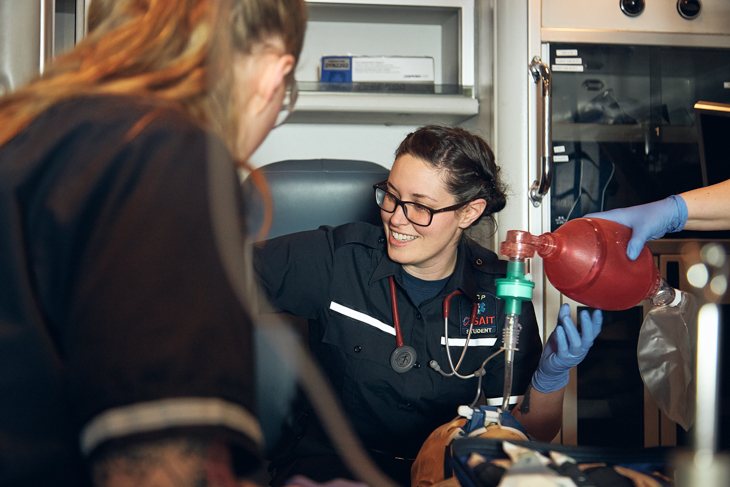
point(416, 213)
point(287, 107)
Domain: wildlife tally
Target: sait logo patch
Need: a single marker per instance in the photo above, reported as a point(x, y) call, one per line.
point(485, 324)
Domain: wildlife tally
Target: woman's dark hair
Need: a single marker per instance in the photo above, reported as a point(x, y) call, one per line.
point(466, 160)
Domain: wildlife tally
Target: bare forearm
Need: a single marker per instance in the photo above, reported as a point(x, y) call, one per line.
point(176, 462)
point(541, 414)
point(708, 208)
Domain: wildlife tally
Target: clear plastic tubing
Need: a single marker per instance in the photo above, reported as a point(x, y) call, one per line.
point(514, 289)
point(510, 337)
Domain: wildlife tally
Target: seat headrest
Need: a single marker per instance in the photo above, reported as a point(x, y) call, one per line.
point(314, 192)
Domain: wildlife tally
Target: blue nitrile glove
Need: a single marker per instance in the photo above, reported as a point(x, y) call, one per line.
point(565, 349)
point(649, 221)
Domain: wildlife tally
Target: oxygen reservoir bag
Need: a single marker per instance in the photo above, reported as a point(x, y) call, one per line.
point(667, 353)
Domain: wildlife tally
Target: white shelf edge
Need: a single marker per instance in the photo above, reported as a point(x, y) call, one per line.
point(390, 109)
point(387, 103)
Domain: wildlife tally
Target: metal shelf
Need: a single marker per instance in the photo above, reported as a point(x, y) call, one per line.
point(383, 103)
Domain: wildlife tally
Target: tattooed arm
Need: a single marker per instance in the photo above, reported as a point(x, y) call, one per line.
point(541, 414)
point(541, 409)
point(173, 462)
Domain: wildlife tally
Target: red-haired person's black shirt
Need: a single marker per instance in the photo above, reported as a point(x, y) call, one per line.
point(117, 318)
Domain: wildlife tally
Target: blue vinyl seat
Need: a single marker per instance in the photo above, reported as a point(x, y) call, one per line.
point(305, 194)
point(313, 192)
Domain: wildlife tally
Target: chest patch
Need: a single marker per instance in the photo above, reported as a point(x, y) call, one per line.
point(485, 324)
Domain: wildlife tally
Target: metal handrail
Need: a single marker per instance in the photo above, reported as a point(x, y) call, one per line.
point(541, 74)
point(46, 34)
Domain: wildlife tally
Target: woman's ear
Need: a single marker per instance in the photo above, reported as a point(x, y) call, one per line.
point(472, 212)
point(258, 92)
point(274, 70)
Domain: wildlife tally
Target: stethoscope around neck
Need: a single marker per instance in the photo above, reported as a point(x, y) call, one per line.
point(403, 358)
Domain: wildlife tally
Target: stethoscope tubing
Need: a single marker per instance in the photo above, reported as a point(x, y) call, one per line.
point(446, 305)
point(394, 309)
point(454, 370)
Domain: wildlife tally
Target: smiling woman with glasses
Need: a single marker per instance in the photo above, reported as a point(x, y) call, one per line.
point(383, 302)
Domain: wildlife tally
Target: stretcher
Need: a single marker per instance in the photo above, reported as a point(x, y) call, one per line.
point(483, 462)
point(488, 448)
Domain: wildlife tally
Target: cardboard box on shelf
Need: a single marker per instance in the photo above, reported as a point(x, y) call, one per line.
point(364, 69)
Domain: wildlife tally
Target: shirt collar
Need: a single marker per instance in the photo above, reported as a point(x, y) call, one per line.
point(385, 268)
point(462, 278)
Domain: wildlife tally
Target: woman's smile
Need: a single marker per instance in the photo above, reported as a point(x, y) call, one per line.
point(402, 238)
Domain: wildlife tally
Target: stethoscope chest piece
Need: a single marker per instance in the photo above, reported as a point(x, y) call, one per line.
point(403, 358)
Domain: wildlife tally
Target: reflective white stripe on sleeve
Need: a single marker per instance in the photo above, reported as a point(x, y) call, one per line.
point(497, 401)
point(356, 315)
point(168, 413)
point(474, 342)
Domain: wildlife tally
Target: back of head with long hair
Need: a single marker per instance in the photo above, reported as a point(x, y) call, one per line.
point(173, 51)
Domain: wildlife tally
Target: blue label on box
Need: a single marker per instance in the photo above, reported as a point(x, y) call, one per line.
point(336, 69)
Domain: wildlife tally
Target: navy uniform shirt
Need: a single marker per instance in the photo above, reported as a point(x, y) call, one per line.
point(338, 279)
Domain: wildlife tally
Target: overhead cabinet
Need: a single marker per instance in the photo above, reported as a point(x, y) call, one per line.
point(440, 29)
